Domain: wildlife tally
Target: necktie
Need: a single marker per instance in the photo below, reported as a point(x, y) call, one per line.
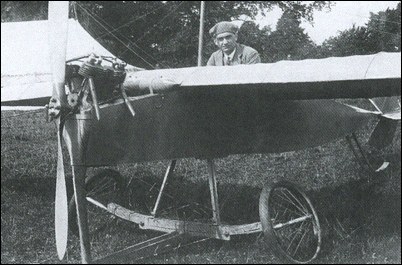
point(228, 61)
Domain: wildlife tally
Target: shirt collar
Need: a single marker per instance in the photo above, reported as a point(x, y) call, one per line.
point(230, 56)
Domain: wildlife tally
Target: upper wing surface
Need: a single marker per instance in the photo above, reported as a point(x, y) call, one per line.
point(361, 76)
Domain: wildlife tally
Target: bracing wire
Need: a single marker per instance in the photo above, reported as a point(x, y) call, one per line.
point(173, 10)
point(118, 39)
point(98, 37)
point(130, 42)
point(129, 22)
point(159, 22)
point(109, 32)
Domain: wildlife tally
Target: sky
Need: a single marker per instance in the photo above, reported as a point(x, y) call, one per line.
point(341, 17)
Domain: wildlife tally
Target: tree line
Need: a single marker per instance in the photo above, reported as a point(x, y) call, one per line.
point(164, 34)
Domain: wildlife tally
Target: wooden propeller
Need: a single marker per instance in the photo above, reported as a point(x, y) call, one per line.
point(58, 32)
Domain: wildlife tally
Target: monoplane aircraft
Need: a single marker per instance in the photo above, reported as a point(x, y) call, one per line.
point(109, 114)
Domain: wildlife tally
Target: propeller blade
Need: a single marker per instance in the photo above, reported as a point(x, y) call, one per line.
point(61, 208)
point(58, 32)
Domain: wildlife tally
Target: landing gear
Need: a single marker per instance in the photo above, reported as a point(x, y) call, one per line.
point(288, 219)
point(371, 165)
point(102, 188)
point(290, 223)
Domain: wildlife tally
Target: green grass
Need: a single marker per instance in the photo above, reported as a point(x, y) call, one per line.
point(361, 223)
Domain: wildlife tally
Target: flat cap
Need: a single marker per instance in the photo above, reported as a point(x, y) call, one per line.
point(221, 27)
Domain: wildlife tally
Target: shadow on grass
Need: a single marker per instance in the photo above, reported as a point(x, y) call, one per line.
point(351, 214)
point(355, 210)
point(36, 187)
point(357, 201)
point(44, 187)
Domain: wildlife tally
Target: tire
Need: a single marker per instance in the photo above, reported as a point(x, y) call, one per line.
point(289, 223)
point(104, 187)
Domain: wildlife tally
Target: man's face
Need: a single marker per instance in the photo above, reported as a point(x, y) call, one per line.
point(226, 42)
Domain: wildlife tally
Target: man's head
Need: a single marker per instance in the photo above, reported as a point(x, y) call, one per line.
point(225, 36)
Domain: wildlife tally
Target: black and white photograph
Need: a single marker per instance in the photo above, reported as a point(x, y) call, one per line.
point(200, 132)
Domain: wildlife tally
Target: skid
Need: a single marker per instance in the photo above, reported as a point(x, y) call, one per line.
point(178, 232)
point(191, 228)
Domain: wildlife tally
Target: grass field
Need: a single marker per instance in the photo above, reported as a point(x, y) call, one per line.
point(361, 222)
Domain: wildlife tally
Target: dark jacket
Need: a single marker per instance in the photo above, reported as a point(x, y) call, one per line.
point(243, 55)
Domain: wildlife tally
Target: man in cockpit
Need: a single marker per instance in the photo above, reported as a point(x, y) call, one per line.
point(230, 52)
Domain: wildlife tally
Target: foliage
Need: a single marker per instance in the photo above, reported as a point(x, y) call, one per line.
point(164, 32)
point(23, 10)
point(382, 33)
point(349, 42)
point(289, 41)
point(384, 30)
point(251, 35)
point(168, 34)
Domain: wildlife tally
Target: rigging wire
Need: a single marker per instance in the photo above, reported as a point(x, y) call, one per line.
point(96, 20)
point(130, 22)
point(135, 43)
point(41, 110)
point(109, 32)
point(173, 9)
point(158, 22)
point(128, 40)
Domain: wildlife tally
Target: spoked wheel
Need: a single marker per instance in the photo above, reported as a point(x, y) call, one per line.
point(290, 223)
point(105, 187)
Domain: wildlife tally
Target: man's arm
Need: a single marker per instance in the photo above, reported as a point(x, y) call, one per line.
point(211, 61)
point(253, 58)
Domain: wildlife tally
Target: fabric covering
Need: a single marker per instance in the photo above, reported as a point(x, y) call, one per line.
point(25, 57)
point(360, 76)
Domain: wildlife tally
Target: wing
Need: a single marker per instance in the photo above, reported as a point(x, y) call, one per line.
point(362, 76)
point(26, 78)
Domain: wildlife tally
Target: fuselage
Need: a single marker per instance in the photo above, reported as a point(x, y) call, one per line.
point(208, 125)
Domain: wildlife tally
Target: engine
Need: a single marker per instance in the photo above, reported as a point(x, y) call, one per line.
point(90, 84)
point(107, 79)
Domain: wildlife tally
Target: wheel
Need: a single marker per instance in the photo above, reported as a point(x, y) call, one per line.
point(104, 187)
point(289, 223)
